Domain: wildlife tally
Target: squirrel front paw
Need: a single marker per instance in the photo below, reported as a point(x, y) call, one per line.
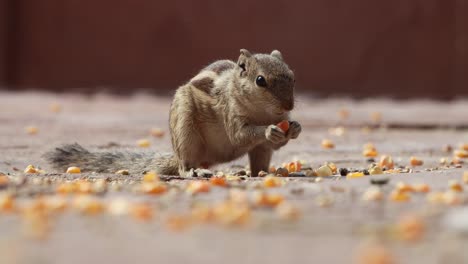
point(274, 134)
point(294, 129)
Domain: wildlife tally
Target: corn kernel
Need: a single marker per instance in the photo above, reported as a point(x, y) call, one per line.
point(327, 144)
point(83, 186)
point(73, 170)
point(460, 153)
point(31, 169)
point(294, 167)
point(403, 187)
point(88, 205)
point(32, 130)
point(416, 162)
point(452, 198)
point(198, 187)
point(150, 177)
point(118, 206)
point(324, 171)
point(232, 214)
point(421, 188)
point(268, 200)
point(411, 228)
point(353, 175)
point(464, 146)
point(142, 212)
point(455, 186)
point(218, 181)
point(386, 162)
point(398, 196)
point(370, 153)
point(465, 177)
point(4, 180)
point(153, 188)
point(369, 146)
point(143, 143)
point(272, 181)
point(177, 223)
point(374, 254)
point(7, 203)
point(157, 132)
point(286, 211)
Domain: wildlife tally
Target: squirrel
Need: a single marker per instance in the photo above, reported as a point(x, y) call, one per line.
point(226, 111)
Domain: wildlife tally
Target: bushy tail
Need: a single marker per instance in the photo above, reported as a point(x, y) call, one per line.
point(135, 162)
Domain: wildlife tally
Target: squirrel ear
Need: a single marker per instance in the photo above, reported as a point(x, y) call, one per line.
point(277, 54)
point(243, 58)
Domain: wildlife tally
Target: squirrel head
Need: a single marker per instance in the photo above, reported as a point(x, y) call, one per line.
point(267, 80)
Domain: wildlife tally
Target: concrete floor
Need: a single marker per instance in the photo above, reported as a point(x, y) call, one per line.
point(322, 235)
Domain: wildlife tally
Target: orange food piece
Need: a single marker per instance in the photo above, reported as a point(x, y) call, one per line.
point(416, 162)
point(177, 222)
point(272, 181)
point(268, 200)
point(386, 162)
point(374, 254)
point(218, 181)
point(198, 187)
point(284, 125)
point(328, 144)
point(370, 153)
point(421, 188)
point(141, 212)
point(411, 228)
point(398, 196)
point(403, 187)
point(153, 187)
point(455, 186)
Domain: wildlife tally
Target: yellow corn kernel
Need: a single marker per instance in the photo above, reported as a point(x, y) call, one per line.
point(7, 203)
point(416, 162)
point(328, 144)
point(150, 177)
point(421, 188)
point(398, 196)
point(460, 153)
point(403, 187)
point(353, 175)
point(73, 170)
point(143, 143)
point(455, 186)
point(88, 205)
point(268, 200)
point(32, 130)
point(153, 188)
point(369, 146)
point(272, 181)
point(157, 132)
point(370, 153)
point(464, 146)
point(31, 169)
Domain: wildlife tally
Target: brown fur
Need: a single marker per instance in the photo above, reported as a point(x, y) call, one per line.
point(219, 115)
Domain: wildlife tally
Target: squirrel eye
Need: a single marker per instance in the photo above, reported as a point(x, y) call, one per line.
point(260, 81)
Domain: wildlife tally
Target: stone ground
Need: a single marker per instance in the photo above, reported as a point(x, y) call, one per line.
point(332, 234)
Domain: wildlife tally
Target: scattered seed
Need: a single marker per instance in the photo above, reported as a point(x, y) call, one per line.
point(157, 132)
point(143, 143)
point(73, 170)
point(324, 171)
point(32, 130)
point(416, 161)
point(328, 144)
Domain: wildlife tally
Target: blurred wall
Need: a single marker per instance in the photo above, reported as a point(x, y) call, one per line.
point(405, 48)
point(3, 39)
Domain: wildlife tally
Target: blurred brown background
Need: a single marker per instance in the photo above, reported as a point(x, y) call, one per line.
point(401, 48)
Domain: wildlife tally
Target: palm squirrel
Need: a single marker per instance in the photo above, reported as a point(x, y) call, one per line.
point(227, 110)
